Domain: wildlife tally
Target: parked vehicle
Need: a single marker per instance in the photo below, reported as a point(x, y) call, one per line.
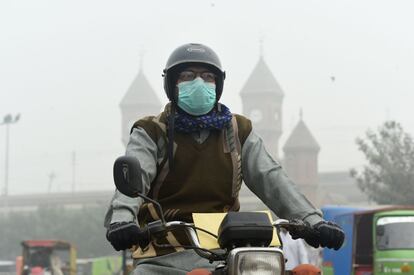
point(338, 260)
point(378, 241)
point(48, 256)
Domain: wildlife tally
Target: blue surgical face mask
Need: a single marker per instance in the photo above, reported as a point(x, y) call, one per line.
point(196, 97)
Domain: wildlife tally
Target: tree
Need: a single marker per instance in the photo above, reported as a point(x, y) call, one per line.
point(388, 178)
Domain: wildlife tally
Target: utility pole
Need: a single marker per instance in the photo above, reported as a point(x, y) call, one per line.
point(7, 121)
point(52, 177)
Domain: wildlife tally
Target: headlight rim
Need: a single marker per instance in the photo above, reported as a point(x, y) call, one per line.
point(233, 257)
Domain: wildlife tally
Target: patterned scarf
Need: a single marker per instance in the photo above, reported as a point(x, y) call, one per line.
point(214, 120)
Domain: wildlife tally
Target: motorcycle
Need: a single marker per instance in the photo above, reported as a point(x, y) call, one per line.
point(243, 237)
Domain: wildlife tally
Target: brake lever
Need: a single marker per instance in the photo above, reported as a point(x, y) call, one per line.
point(298, 227)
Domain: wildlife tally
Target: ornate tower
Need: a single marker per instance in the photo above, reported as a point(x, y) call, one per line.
point(139, 101)
point(301, 160)
point(262, 102)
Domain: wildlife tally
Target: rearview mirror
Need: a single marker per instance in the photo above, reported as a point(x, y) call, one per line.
point(127, 176)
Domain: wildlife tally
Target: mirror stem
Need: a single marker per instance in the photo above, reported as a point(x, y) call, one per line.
point(155, 203)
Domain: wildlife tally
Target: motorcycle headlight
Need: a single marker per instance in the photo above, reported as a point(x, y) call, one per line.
point(264, 261)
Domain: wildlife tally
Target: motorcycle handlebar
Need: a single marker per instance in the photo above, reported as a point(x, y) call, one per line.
point(301, 228)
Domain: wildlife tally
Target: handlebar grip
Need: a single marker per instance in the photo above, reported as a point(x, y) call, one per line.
point(300, 229)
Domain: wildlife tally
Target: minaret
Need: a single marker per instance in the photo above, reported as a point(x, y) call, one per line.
point(262, 102)
point(301, 159)
point(139, 101)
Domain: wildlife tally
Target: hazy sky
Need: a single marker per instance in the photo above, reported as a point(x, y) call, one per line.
point(65, 66)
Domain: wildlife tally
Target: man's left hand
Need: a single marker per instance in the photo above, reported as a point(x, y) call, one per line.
point(331, 235)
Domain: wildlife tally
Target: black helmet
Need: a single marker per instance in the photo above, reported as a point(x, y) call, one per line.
point(186, 55)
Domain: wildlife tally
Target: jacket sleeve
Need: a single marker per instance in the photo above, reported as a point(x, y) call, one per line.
point(266, 178)
point(123, 208)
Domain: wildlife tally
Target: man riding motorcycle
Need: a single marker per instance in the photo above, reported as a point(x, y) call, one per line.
point(194, 156)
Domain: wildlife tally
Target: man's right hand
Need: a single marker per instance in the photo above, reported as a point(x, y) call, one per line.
point(124, 235)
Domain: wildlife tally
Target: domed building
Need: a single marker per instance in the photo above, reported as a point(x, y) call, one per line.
point(301, 160)
point(139, 101)
point(262, 99)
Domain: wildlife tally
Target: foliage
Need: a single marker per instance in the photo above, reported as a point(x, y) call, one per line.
point(82, 227)
point(388, 178)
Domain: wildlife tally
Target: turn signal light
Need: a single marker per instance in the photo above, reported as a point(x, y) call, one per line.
point(405, 268)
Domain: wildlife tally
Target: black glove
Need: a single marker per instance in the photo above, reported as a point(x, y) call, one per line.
point(331, 235)
point(325, 234)
point(299, 229)
point(124, 235)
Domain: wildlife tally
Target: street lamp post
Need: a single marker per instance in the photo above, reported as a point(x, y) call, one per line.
point(7, 121)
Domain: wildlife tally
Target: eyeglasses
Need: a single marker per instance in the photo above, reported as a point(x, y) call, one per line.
point(191, 75)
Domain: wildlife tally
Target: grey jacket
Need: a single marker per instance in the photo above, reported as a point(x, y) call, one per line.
point(261, 174)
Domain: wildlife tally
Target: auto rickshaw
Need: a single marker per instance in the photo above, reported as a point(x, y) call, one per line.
point(378, 241)
point(53, 256)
